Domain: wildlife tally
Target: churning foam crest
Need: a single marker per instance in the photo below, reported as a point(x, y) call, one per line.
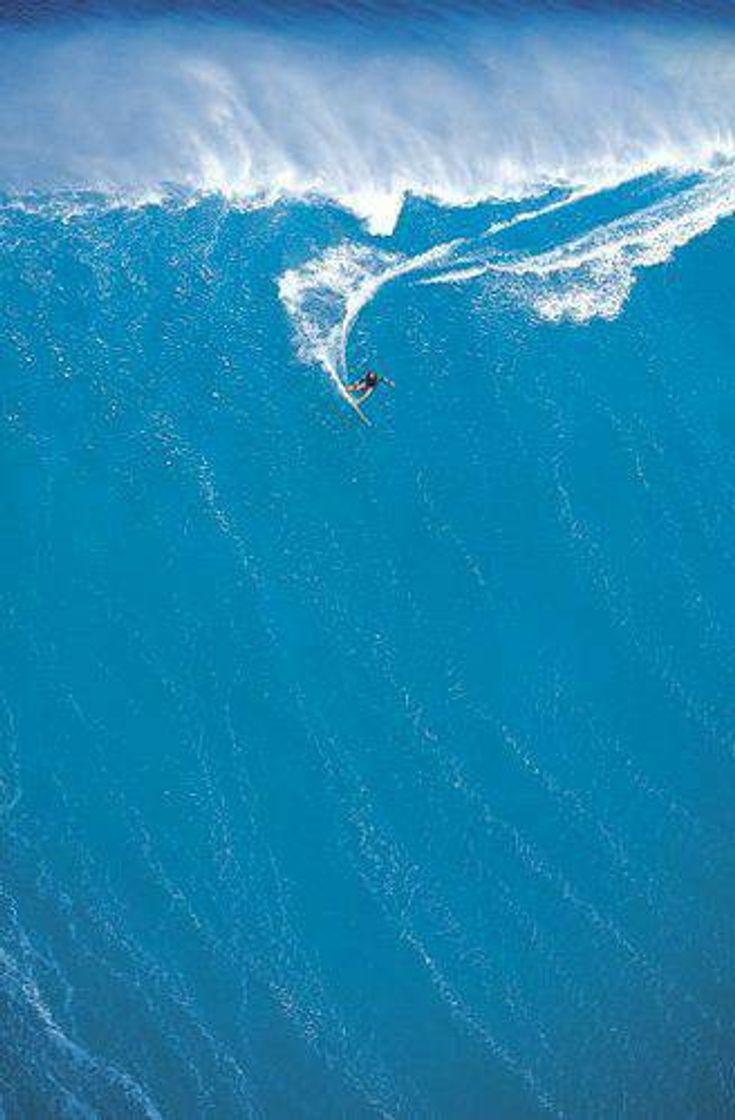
point(482, 107)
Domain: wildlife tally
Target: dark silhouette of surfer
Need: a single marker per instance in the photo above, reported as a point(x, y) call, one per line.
point(366, 386)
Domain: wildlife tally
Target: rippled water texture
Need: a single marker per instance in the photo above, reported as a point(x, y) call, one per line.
point(347, 769)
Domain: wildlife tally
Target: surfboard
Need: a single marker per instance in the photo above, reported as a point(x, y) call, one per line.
point(342, 390)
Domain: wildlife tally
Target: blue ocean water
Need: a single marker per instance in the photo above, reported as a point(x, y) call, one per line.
point(359, 770)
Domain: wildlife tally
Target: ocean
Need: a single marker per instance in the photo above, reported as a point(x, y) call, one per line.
point(367, 769)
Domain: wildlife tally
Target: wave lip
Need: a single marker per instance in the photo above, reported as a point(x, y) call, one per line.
point(486, 109)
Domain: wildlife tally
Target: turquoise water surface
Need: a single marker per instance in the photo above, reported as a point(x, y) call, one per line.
point(348, 770)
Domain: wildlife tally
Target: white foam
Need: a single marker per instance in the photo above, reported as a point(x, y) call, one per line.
point(360, 120)
point(324, 296)
point(592, 276)
point(586, 277)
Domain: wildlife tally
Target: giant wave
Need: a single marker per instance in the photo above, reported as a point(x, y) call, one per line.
point(366, 772)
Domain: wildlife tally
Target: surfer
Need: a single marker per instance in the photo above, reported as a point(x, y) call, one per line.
point(367, 385)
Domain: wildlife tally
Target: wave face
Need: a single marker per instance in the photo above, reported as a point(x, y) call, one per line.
point(348, 770)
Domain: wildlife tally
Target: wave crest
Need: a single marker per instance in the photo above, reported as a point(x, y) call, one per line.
point(481, 108)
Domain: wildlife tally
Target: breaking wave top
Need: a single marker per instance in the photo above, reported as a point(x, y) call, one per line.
point(475, 106)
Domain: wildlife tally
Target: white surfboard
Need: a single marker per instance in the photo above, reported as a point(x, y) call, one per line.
point(347, 396)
